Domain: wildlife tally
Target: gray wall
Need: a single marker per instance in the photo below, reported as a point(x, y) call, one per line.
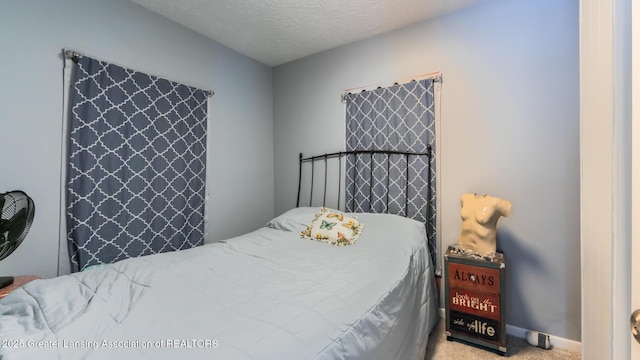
point(32, 35)
point(509, 128)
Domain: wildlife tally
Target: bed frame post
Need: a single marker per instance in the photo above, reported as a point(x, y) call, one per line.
point(339, 179)
point(324, 193)
point(406, 187)
point(371, 182)
point(353, 188)
point(388, 182)
point(299, 178)
point(313, 176)
point(428, 210)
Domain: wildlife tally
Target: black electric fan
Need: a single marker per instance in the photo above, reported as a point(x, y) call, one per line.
point(17, 215)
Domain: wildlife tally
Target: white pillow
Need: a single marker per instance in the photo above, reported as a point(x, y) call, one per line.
point(295, 219)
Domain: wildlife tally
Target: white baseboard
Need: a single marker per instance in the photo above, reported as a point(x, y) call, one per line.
point(556, 341)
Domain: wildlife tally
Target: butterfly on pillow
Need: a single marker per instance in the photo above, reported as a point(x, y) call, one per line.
point(327, 225)
point(340, 217)
point(342, 240)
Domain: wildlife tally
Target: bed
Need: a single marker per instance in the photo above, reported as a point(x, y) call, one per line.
point(269, 294)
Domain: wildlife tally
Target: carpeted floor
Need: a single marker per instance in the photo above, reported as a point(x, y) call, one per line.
point(440, 348)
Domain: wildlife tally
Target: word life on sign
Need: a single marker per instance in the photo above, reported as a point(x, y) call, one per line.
point(475, 326)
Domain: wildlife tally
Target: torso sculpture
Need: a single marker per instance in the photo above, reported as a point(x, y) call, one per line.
point(480, 214)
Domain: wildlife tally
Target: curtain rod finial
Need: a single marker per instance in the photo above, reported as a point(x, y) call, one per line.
point(72, 55)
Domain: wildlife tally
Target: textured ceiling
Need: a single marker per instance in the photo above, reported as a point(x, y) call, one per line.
point(278, 31)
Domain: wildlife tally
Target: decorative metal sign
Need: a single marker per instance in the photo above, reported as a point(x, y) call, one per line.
point(475, 300)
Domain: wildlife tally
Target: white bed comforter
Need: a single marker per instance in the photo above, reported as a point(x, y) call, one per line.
point(265, 295)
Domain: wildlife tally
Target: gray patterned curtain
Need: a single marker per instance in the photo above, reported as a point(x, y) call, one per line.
point(398, 118)
point(136, 171)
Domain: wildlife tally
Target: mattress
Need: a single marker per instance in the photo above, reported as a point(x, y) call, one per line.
point(269, 294)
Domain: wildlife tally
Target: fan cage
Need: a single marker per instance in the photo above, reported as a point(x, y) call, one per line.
point(17, 216)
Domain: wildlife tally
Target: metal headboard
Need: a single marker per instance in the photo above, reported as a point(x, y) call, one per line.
point(343, 154)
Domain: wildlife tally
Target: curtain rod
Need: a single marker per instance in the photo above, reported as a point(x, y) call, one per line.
point(436, 76)
point(70, 54)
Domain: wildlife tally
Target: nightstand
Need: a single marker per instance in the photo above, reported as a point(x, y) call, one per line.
point(475, 299)
point(18, 281)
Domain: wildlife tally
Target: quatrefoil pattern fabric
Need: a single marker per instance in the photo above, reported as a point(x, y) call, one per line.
point(136, 171)
point(399, 118)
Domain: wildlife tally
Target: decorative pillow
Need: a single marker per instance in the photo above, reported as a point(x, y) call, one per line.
point(333, 227)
